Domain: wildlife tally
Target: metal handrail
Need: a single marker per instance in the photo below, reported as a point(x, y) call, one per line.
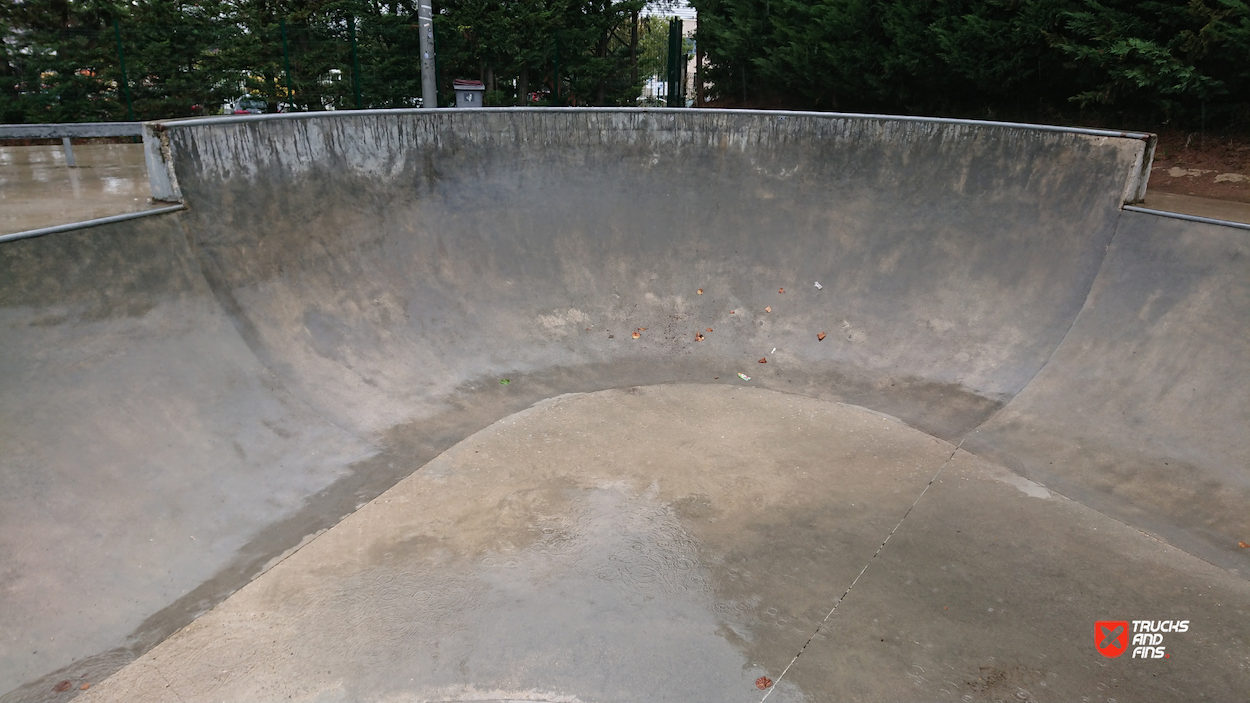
point(66, 131)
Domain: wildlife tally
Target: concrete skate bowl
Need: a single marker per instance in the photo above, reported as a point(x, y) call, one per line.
point(189, 397)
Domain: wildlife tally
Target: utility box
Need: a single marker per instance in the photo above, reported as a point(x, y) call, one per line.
point(468, 93)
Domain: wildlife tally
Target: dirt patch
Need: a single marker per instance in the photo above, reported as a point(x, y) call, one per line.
point(1207, 166)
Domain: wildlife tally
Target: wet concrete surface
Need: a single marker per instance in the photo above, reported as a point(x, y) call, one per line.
point(677, 542)
point(990, 589)
point(189, 398)
point(38, 190)
point(1229, 210)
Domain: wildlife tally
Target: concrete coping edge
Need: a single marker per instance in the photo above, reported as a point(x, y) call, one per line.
point(230, 119)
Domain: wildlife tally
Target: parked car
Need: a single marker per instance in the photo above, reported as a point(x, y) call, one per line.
point(247, 105)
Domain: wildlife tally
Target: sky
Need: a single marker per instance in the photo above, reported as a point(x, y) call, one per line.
point(669, 8)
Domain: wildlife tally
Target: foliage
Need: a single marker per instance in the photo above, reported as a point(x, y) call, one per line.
point(60, 59)
point(1029, 59)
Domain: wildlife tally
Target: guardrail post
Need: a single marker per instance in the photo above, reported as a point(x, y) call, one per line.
point(69, 151)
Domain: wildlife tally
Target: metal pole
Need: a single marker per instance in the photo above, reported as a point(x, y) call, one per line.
point(680, 42)
point(68, 146)
point(429, 81)
point(286, 57)
point(674, 75)
point(351, 25)
point(121, 58)
point(438, 69)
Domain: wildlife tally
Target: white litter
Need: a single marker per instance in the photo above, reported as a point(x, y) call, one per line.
point(818, 286)
point(774, 351)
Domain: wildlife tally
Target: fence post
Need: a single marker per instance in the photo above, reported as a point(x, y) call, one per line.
point(286, 57)
point(121, 59)
point(351, 24)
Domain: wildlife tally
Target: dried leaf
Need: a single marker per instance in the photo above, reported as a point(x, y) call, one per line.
point(763, 360)
point(84, 687)
point(732, 312)
point(820, 336)
point(763, 682)
point(709, 329)
point(781, 290)
point(700, 291)
point(636, 335)
point(1243, 545)
point(768, 309)
point(698, 336)
point(62, 687)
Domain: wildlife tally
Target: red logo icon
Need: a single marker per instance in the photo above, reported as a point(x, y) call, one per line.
point(1111, 637)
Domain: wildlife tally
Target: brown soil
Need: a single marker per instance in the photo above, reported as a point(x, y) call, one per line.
point(1210, 166)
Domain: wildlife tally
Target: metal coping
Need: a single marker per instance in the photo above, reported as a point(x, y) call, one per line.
point(1188, 218)
point(58, 130)
point(779, 114)
point(88, 223)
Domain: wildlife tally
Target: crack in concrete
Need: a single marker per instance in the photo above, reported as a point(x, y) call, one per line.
point(847, 592)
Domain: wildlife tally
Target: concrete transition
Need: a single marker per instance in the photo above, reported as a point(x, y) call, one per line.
point(621, 405)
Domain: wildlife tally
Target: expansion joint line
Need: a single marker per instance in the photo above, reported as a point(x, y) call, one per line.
point(847, 592)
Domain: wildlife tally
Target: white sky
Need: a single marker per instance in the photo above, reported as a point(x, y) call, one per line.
point(669, 8)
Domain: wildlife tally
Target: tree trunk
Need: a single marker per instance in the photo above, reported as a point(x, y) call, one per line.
point(602, 96)
point(633, 50)
point(523, 87)
point(271, 82)
point(698, 73)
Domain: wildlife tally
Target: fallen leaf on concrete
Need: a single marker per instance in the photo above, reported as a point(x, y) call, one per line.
point(62, 687)
point(636, 335)
point(768, 309)
point(763, 682)
point(698, 336)
point(84, 687)
point(732, 312)
point(709, 329)
point(763, 360)
point(820, 336)
point(700, 291)
point(1243, 545)
point(504, 381)
point(642, 329)
point(611, 336)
